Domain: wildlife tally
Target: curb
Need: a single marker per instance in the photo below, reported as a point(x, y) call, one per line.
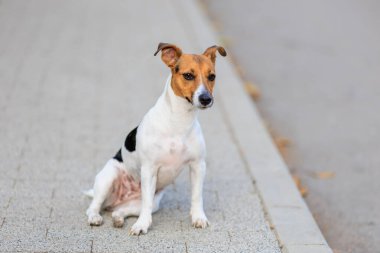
point(288, 214)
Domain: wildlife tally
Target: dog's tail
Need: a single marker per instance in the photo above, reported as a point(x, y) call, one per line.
point(89, 193)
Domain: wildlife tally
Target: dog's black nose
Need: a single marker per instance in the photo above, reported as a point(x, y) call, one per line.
point(205, 99)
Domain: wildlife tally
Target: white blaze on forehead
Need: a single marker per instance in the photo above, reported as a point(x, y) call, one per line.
point(200, 90)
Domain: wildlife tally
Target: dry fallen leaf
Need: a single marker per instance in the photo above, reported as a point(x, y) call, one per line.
point(252, 90)
point(282, 143)
point(239, 69)
point(302, 189)
point(269, 128)
point(324, 175)
point(304, 192)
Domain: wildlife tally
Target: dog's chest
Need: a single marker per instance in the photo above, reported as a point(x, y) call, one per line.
point(173, 155)
point(173, 152)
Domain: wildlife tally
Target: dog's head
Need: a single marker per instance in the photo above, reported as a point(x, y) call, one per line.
point(193, 75)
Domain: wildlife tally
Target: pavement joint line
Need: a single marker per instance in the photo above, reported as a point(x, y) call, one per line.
point(51, 212)
point(18, 167)
point(9, 203)
point(223, 216)
point(229, 240)
point(15, 181)
point(92, 246)
point(218, 200)
point(2, 222)
point(53, 193)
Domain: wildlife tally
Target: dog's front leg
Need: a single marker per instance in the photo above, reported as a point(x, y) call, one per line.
point(197, 174)
point(148, 188)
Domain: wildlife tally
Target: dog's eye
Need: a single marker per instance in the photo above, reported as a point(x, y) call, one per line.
point(211, 77)
point(188, 76)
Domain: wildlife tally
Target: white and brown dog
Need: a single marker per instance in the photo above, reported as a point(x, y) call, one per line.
point(169, 137)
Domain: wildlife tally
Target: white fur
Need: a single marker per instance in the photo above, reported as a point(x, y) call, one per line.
point(168, 138)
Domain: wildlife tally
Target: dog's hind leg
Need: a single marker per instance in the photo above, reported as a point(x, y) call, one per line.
point(133, 208)
point(102, 188)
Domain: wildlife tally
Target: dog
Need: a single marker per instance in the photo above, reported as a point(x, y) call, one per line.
point(169, 137)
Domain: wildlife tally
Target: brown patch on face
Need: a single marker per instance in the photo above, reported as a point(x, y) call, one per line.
point(198, 66)
point(189, 71)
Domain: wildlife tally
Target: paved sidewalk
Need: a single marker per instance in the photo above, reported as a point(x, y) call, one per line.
point(75, 77)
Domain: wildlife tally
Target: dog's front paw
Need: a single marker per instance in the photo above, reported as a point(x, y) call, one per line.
point(199, 220)
point(141, 226)
point(95, 219)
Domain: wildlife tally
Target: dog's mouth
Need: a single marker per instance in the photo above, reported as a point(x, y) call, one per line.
point(204, 107)
point(189, 100)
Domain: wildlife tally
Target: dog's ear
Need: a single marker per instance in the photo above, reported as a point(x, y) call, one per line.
point(211, 52)
point(170, 53)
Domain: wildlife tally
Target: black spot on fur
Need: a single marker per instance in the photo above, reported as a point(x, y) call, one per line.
point(118, 156)
point(176, 69)
point(130, 141)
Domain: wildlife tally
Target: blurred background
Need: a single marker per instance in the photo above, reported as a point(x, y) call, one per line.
point(314, 68)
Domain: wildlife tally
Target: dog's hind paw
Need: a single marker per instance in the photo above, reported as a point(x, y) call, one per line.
point(95, 219)
point(118, 221)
